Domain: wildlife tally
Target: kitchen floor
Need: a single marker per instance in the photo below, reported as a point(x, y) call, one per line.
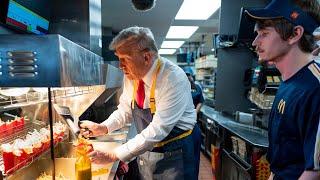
point(205, 171)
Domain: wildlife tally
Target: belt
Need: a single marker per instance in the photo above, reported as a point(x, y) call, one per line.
point(183, 135)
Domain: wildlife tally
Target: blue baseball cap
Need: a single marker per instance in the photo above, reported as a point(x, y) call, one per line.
point(288, 10)
point(188, 71)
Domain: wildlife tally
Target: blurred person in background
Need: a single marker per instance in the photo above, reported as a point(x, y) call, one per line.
point(196, 91)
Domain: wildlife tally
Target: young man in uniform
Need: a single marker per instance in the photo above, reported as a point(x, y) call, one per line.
point(285, 39)
point(157, 98)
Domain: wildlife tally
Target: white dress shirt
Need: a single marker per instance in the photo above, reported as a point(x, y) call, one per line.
point(174, 107)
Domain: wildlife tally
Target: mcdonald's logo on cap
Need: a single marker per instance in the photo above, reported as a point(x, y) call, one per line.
point(294, 15)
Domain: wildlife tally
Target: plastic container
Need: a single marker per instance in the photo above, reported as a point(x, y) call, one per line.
point(83, 167)
point(3, 129)
point(10, 127)
point(83, 163)
point(83, 170)
point(8, 161)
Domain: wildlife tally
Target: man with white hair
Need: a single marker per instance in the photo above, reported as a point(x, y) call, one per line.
point(157, 98)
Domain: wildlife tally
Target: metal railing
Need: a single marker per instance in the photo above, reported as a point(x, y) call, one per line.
point(38, 95)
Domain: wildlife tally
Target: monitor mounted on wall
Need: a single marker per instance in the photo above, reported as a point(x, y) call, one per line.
point(26, 16)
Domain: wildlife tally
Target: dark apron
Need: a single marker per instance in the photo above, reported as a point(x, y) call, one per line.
point(176, 160)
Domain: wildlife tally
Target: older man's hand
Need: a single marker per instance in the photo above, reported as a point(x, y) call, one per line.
point(91, 129)
point(99, 157)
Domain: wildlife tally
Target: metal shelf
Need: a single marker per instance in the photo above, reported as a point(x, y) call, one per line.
point(21, 133)
point(185, 64)
point(205, 67)
point(71, 91)
point(264, 102)
point(34, 97)
point(208, 86)
point(12, 102)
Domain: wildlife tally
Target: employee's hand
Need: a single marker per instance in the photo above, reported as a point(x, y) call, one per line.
point(99, 157)
point(91, 129)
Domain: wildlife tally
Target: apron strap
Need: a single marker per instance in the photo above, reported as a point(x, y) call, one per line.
point(152, 90)
point(183, 135)
point(134, 93)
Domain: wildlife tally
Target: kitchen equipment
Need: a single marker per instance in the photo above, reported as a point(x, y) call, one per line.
point(47, 61)
point(244, 118)
point(71, 78)
point(14, 91)
point(72, 123)
point(9, 115)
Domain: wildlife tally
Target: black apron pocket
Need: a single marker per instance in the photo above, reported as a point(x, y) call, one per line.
point(161, 166)
point(170, 167)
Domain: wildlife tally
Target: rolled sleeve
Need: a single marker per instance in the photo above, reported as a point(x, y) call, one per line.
point(170, 106)
point(122, 152)
point(123, 114)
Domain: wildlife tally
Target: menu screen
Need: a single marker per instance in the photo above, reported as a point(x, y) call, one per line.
point(25, 16)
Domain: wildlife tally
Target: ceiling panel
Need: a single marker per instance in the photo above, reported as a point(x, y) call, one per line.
point(119, 14)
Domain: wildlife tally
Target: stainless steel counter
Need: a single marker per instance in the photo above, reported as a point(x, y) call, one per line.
point(65, 162)
point(121, 136)
point(253, 135)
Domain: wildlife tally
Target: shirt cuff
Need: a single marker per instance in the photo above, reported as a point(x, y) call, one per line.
point(109, 125)
point(123, 153)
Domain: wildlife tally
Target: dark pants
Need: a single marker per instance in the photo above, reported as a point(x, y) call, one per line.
point(133, 173)
point(179, 159)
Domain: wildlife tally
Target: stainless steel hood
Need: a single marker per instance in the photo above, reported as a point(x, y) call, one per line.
point(54, 61)
point(47, 61)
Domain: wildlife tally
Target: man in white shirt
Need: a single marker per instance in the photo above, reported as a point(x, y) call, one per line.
point(157, 98)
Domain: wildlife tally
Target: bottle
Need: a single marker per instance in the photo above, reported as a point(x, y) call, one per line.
point(83, 163)
point(83, 168)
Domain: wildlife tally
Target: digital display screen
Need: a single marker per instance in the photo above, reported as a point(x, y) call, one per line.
point(26, 16)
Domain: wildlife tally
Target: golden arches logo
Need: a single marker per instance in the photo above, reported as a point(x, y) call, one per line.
point(281, 106)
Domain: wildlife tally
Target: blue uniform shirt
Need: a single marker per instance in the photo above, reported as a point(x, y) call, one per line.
point(294, 133)
point(197, 96)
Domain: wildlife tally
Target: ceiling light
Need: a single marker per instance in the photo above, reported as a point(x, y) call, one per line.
point(181, 32)
point(167, 51)
point(171, 44)
point(197, 10)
